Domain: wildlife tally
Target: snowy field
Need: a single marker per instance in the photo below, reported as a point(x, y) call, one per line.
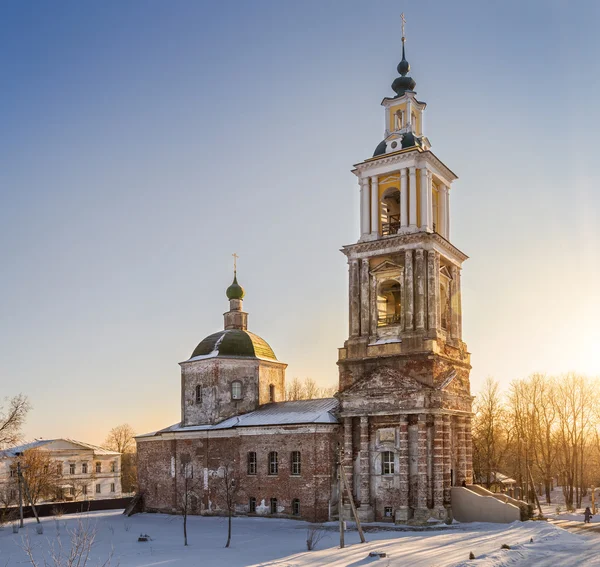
point(281, 543)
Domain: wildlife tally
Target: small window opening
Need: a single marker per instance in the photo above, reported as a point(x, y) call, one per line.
point(387, 462)
point(387, 512)
point(389, 303)
point(252, 505)
point(296, 507)
point(273, 505)
point(236, 390)
point(271, 393)
point(296, 463)
point(252, 462)
point(273, 463)
point(198, 394)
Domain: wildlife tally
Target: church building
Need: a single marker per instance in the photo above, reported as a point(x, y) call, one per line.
point(401, 420)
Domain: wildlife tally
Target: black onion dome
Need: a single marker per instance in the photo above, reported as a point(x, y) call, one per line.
point(403, 83)
point(234, 342)
point(380, 149)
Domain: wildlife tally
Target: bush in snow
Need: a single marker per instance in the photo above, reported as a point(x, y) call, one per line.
point(314, 535)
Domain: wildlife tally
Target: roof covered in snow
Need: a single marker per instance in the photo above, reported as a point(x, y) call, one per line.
point(301, 412)
point(61, 444)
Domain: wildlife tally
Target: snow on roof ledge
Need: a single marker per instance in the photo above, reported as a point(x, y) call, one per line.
point(301, 412)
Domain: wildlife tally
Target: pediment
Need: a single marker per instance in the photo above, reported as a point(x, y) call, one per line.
point(385, 383)
point(387, 266)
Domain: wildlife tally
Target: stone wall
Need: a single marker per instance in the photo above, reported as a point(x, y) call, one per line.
point(160, 470)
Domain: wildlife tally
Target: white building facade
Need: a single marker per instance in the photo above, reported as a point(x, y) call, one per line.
point(75, 470)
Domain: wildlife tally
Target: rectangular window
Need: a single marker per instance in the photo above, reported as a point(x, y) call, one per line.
point(271, 393)
point(296, 507)
point(295, 463)
point(71, 491)
point(198, 394)
point(112, 487)
point(84, 490)
point(387, 462)
point(13, 473)
point(113, 466)
point(84, 468)
point(387, 512)
point(72, 468)
point(252, 505)
point(273, 505)
point(273, 463)
point(98, 467)
point(236, 390)
point(58, 468)
point(252, 462)
point(98, 488)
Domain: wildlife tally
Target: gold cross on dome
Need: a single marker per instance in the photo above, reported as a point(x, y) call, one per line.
point(235, 257)
point(403, 23)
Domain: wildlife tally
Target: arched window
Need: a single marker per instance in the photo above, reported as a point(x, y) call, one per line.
point(198, 394)
point(390, 212)
point(295, 507)
point(236, 390)
point(271, 393)
point(387, 462)
point(389, 303)
point(399, 120)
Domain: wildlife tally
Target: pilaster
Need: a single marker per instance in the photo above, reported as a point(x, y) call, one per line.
point(468, 451)
point(364, 297)
point(354, 298)
point(438, 463)
point(432, 290)
point(461, 453)
point(365, 460)
point(373, 310)
point(348, 468)
point(420, 291)
point(454, 304)
point(447, 459)
point(408, 290)
point(421, 512)
point(403, 509)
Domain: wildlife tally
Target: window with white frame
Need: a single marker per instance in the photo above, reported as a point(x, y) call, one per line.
point(113, 466)
point(296, 463)
point(112, 487)
point(98, 488)
point(84, 489)
point(387, 462)
point(236, 390)
point(71, 491)
point(98, 467)
point(273, 463)
point(72, 468)
point(84, 468)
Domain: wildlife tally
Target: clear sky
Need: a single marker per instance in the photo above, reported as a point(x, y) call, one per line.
point(144, 142)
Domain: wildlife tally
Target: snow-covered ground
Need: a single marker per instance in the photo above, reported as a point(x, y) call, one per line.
point(281, 543)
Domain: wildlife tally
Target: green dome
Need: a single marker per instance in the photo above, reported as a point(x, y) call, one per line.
point(235, 290)
point(234, 342)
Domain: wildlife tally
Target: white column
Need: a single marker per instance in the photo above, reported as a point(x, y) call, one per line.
point(403, 199)
point(364, 206)
point(424, 220)
point(374, 205)
point(443, 195)
point(413, 197)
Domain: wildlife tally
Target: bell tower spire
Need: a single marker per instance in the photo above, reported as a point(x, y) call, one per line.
point(235, 318)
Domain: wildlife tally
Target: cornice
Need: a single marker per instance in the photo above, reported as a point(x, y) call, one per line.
point(383, 244)
point(402, 156)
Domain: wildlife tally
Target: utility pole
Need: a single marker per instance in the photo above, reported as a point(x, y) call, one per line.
point(352, 506)
point(20, 494)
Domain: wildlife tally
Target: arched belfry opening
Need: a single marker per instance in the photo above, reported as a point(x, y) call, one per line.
point(389, 303)
point(390, 212)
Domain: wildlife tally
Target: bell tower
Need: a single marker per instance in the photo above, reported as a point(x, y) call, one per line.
point(404, 369)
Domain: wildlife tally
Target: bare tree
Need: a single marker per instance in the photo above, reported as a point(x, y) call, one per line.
point(307, 389)
point(121, 439)
point(227, 486)
point(77, 554)
point(12, 419)
point(186, 493)
point(40, 473)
